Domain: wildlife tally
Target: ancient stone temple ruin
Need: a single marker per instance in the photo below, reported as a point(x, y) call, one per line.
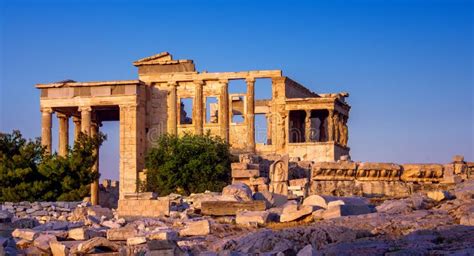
point(300, 123)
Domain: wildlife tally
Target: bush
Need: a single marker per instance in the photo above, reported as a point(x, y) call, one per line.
point(27, 174)
point(188, 164)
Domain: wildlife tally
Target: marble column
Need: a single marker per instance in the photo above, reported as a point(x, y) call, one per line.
point(330, 125)
point(198, 107)
point(224, 110)
point(46, 124)
point(307, 126)
point(86, 119)
point(250, 115)
point(63, 121)
point(95, 184)
point(269, 128)
point(77, 126)
point(173, 112)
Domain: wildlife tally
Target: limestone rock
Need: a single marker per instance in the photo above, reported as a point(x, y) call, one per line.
point(336, 211)
point(136, 240)
point(467, 220)
point(89, 245)
point(99, 211)
point(163, 247)
point(121, 234)
point(5, 216)
point(265, 196)
point(110, 224)
point(196, 228)
point(27, 234)
point(58, 249)
point(239, 190)
point(308, 250)
point(83, 233)
point(291, 214)
point(324, 200)
point(250, 217)
point(438, 195)
point(164, 235)
point(42, 241)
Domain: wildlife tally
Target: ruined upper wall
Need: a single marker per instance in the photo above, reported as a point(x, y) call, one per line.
point(296, 90)
point(163, 63)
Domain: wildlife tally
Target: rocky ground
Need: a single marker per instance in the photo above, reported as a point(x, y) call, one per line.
point(437, 223)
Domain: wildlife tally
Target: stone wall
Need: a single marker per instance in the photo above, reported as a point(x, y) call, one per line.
point(42, 211)
point(128, 208)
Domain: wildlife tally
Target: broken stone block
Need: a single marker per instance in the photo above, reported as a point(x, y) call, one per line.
point(458, 159)
point(251, 217)
point(239, 190)
point(323, 200)
point(467, 220)
point(196, 228)
point(290, 214)
point(136, 240)
point(265, 196)
point(83, 233)
point(42, 241)
point(98, 211)
point(164, 235)
point(223, 208)
point(27, 234)
point(318, 214)
point(163, 248)
point(308, 250)
point(121, 234)
point(110, 224)
point(438, 195)
point(23, 244)
point(337, 211)
point(89, 245)
point(58, 249)
point(5, 216)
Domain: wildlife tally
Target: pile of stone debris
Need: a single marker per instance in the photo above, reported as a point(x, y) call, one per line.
point(240, 222)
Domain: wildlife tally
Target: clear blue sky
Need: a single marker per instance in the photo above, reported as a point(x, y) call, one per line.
point(408, 65)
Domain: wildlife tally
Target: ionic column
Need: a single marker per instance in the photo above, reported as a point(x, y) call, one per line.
point(331, 125)
point(46, 124)
point(63, 121)
point(250, 115)
point(224, 110)
point(86, 118)
point(198, 107)
point(77, 126)
point(95, 184)
point(172, 102)
point(269, 128)
point(307, 127)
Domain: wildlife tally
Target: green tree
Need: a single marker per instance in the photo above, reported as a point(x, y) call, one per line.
point(27, 174)
point(188, 164)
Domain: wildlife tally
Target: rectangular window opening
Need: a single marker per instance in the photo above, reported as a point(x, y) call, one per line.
point(186, 111)
point(212, 110)
point(238, 108)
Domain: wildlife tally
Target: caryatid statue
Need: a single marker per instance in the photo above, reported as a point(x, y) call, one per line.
point(336, 126)
point(279, 176)
point(345, 132)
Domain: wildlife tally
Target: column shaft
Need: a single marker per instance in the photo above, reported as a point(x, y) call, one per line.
point(173, 119)
point(63, 121)
point(198, 108)
point(95, 184)
point(86, 118)
point(250, 115)
point(46, 124)
point(77, 126)
point(269, 128)
point(330, 121)
point(307, 128)
point(224, 110)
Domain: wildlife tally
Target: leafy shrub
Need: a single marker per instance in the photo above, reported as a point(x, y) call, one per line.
point(188, 164)
point(27, 174)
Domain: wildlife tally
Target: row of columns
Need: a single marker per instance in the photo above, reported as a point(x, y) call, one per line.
point(224, 114)
point(83, 124)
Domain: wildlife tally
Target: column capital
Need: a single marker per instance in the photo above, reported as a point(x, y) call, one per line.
point(199, 82)
point(76, 119)
point(250, 80)
point(85, 108)
point(46, 110)
point(61, 115)
point(172, 83)
point(223, 81)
